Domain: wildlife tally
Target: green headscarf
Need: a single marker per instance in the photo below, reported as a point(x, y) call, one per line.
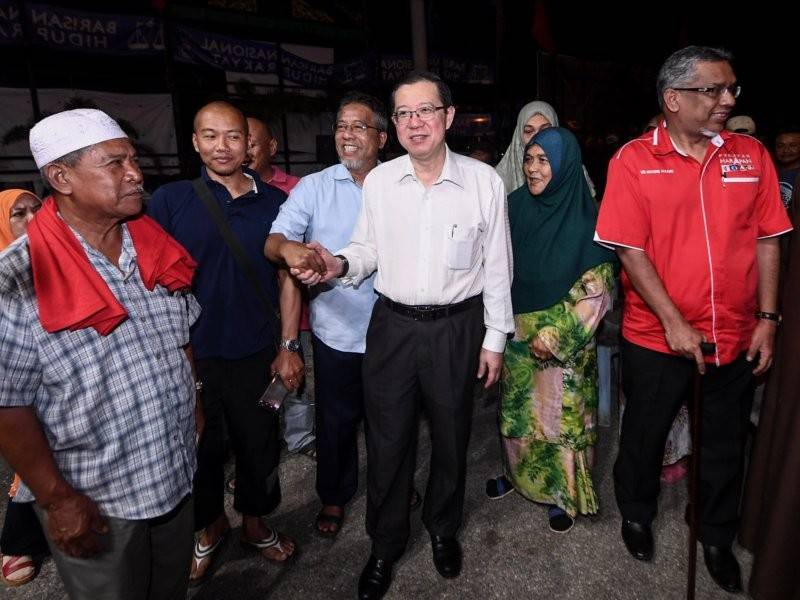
point(552, 232)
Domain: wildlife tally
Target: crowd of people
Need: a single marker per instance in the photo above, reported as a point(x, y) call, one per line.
point(136, 341)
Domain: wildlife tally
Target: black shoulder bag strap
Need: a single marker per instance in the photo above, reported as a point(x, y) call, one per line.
point(239, 254)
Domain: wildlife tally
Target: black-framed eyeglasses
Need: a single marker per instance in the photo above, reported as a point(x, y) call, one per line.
point(423, 112)
point(713, 91)
point(356, 127)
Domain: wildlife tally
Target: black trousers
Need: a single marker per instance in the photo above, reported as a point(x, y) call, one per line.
point(339, 404)
point(655, 385)
point(22, 533)
point(407, 362)
point(231, 389)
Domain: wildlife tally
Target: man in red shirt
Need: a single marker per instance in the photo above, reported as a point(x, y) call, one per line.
point(261, 149)
point(693, 212)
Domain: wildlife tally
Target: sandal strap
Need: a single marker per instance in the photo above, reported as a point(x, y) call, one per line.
point(16, 563)
point(201, 552)
point(271, 541)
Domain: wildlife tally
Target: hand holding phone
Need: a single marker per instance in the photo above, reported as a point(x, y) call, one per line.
point(273, 397)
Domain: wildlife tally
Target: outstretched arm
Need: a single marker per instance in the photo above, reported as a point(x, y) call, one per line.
point(294, 255)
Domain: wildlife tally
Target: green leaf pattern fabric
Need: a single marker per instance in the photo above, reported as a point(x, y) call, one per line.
point(548, 408)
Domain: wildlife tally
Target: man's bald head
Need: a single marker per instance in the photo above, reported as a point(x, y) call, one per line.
point(220, 138)
point(262, 147)
point(220, 106)
point(261, 124)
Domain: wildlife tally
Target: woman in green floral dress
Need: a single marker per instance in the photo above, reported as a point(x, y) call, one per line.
point(563, 284)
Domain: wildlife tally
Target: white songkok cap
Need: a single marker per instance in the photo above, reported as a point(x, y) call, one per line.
point(59, 134)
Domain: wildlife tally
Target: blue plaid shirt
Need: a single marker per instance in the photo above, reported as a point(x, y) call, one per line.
point(118, 411)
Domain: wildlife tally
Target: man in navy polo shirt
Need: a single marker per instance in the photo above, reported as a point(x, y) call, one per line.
point(233, 340)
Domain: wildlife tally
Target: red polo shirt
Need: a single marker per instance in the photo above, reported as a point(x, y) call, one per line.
point(282, 180)
point(698, 224)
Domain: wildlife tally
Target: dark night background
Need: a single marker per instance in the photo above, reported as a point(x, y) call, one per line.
point(599, 72)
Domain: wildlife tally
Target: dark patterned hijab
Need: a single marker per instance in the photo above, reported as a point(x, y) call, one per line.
point(552, 232)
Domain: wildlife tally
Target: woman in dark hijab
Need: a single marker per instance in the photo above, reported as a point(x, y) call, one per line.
point(562, 287)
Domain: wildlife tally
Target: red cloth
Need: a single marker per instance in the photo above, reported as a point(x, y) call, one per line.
point(72, 295)
point(699, 225)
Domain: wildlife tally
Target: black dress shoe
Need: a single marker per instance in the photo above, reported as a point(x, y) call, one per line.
point(375, 579)
point(723, 568)
point(638, 539)
point(446, 556)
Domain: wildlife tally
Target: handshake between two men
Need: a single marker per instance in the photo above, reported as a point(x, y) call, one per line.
point(311, 263)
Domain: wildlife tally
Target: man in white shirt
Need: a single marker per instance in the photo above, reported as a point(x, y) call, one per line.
point(434, 224)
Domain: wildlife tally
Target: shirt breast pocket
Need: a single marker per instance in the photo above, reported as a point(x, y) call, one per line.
point(461, 247)
point(740, 192)
point(170, 319)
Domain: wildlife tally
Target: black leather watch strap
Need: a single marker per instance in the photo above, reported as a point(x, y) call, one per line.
point(760, 314)
point(345, 265)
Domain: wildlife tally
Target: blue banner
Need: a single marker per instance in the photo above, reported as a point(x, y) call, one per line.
point(460, 70)
point(66, 29)
point(394, 67)
point(223, 52)
point(453, 70)
point(305, 72)
point(355, 71)
point(10, 26)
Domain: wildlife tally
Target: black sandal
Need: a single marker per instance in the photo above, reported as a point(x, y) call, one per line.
point(499, 487)
point(323, 517)
point(309, 450)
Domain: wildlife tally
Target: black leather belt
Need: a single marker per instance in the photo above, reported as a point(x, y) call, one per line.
point(430, 312)
point(166, 518)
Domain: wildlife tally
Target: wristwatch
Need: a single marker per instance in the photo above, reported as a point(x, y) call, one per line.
point(198, 385)
point(769, 316)
point(345, 264)
point(290, 345)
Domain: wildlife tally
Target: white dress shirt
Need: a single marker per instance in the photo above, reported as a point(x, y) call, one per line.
point(437, 245)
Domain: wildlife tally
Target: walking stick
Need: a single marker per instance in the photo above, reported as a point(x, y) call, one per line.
point(694, 475)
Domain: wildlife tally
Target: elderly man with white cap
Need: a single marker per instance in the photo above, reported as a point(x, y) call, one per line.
point(97, 397)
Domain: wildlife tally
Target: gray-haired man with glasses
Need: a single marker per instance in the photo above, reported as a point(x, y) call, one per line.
point(434, 225)
point(324, 206)
point(694, 214)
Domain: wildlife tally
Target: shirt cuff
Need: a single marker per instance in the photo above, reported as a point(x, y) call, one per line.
point(770, 235)
point(494, 340)
point(289, 235)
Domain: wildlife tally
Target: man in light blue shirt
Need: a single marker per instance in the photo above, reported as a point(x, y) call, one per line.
point(324, 207)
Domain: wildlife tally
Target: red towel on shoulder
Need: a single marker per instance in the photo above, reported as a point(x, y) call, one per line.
point(72, 295)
